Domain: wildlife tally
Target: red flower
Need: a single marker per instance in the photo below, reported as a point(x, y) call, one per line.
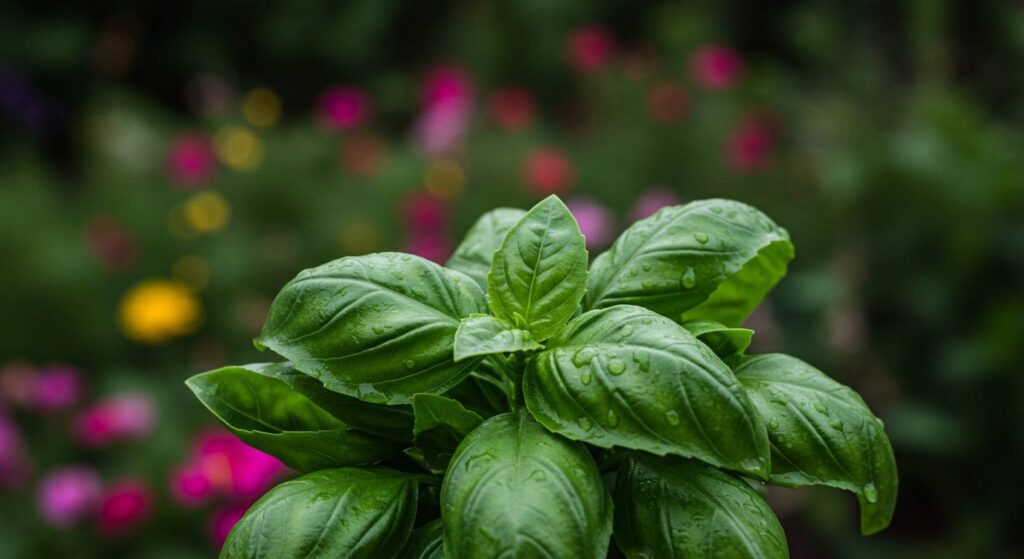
point(716, 67)
point(590, 48)
point(123, 507)
point(513, 108)
point(548, 171)
point(751, 145)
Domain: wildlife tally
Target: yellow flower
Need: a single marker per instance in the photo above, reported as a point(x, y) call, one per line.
point(156, 311)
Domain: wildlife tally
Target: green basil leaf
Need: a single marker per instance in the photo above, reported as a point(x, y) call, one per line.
point(822, 433)
point(713, 259)
point(722, 340)
point(539, 274)
point(426, 542)
point(346, 512)
point(393, 422)
point(378, 327)
point(682, 508)
point(441, 424)
point(267, 414)
point(515, 489)
point(484, 391)
point(625, 376)
point(480, 335)
point(474, 255)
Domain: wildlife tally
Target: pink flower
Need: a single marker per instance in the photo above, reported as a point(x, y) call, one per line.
point(126, 416)
point(668, 102)
point(596, 222)
point(224, 520)
point(191, 160)
point(55, 388)
point(235, 467)
point(513, 108)
point(751, 145)
point(652, 201)
point(589, 48)
point(110, 243)
point(343, 108)
point(716, 67)
point(14, 462)
point(433, 247)
point(123, 507)
point(447, 108)
point(422, 213)
point(548, 171)
point(67, 495)
point(190, 485)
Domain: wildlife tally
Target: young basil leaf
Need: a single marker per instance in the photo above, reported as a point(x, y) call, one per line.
point(426, 542)
point(378, 327)
point(539, 274)
point(722, 340)
point(441, 424)
point(822, 433)
point(713, 259)
point(482, 334)
point(265, 413)
point(346, 512)
point(474, 255)
point(515, 489)
point(625, 376)
point(392, 422)
point(682, 508)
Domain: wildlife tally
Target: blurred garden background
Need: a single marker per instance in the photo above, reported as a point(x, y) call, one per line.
point(166, 167)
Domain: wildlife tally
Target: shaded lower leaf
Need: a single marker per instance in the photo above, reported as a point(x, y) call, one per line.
point(670, 508)
point(625, 376)
point(515, 489)
point(480, 335)
point(822, 433)
point(426, 542)
point(476, 251)
point(345, 512)
point(725, 341)
point(441, 424)
point(393, 422)
point(269, 415)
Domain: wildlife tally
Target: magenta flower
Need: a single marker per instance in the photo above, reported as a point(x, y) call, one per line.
point(548, 171)
point(235, 467)
point(224, 520)
point(652, 201)
point(447, 109)
point(589, 48)
point(14, 461)
point(343, 108)
point(432, 246)
point(67, 495)
point(124, 506)
point(190, 485)
point(191, 160)
point(55, 388)
point(121, 417)
point(596, 222)
point(422, 213)
point(716, 67)
point(750, 146)
point(513, 108)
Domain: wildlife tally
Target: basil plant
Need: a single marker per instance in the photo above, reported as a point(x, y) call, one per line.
point(519, 402)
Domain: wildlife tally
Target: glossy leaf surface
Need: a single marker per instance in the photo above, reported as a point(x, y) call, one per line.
point(480, 335)
point(267, 414)
point(515, 489)
point(681, 508)
point(378, 327)
point(474, 255)
point(822, 433)
point(539, 274)
point(441, 424)
point(426, 542)
point(346, 512)
point(715, 259)
point(625, 376)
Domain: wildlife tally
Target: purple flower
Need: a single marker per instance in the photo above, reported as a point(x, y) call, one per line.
point(652, 201)
point(343, 108)
point(56, 387)
point(596, 222)
point(447, 108)
point(716, 67)
point(68, 494)
point(125, 416)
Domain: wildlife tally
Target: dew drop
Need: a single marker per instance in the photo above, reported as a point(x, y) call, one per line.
point(837, 425)
point(408, 363)
point(642, 360)
point(773, 423)
point(701, 237)
point(585, 378)
point(672, 417)
point(647, 266)
point(378, 330)
point(616, 366)
point(648, 284)
point(627, 331)
point(871, 493)
point(613, 419)
point(538, 475)
point(689, 279)
point(585, 423)
point(583, 357)
point(716, 209)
